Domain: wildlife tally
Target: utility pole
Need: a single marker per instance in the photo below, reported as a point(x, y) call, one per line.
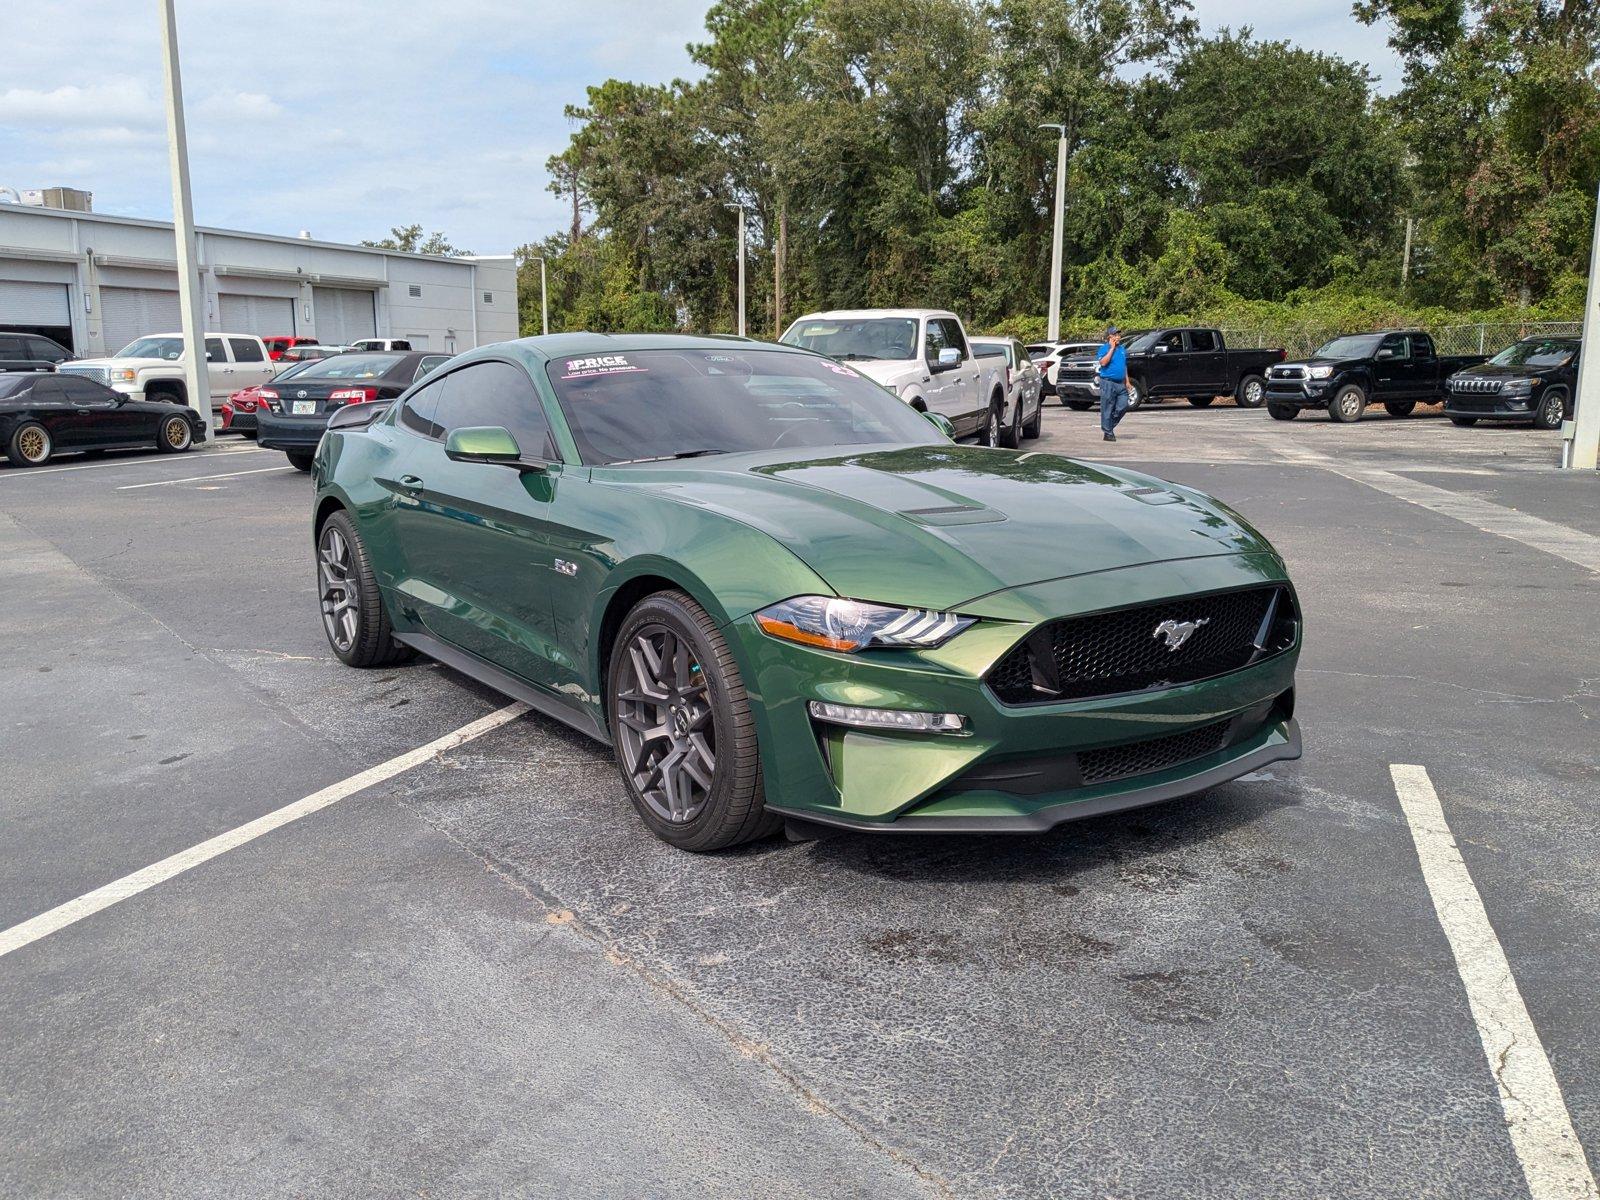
point(1583, 449)
point(196, 377)
point(1405, 262)
point(740, 207)
point(544, 298)
point(1053, 332)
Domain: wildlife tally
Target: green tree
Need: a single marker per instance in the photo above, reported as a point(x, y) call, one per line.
point(409, 238)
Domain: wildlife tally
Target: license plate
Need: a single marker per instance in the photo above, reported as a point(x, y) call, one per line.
point(304, 408)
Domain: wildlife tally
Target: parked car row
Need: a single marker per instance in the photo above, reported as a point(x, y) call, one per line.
point(42, 412)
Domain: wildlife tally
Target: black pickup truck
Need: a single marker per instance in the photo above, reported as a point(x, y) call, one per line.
point(1398, 368)
point(1533, 380)
point(1197, 365)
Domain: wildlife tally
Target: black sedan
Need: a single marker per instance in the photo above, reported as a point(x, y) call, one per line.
point(43, 414)
point(296, 412)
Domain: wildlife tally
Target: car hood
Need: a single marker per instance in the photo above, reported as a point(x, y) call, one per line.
point(891, 373)
point(935, 526)
point(1488, 371)
point(136, 363)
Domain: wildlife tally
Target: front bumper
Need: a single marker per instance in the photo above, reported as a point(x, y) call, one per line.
point(1017, 768)
point(234, 421)
point(278, 432)
point(1492, 406)
point(1309, 394)
point(1078, 386)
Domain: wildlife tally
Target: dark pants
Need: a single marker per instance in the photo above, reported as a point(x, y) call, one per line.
point(1113, 403)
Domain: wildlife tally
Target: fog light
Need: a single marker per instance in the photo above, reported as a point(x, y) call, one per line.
point(888, 718)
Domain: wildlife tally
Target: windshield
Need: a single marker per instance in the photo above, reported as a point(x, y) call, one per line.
point(862, 340)
point(662, 403)
point(1351, 345)
point(168, 348)
point(350, 366)
point(1539, 353)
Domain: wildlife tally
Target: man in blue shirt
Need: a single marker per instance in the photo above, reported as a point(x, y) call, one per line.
point(1111, 369)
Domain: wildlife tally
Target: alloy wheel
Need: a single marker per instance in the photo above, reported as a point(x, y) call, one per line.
point(34, 444)
point(337, 584)
point(1551, 412)
point(1252, 393)
point(666, 728)
point(991, 431)
point(177, 433)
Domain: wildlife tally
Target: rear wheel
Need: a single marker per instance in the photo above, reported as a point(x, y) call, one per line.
point(1011, 431)
point(1468, 421)
point(685, 737)
point(1400, 408)
point(1282, 412)
point(1031, 428)
point(175, 435)
point(300, 460)
point(1135, 395)
point(1348, 405)
point(1252, 390)
point(1551, 410)
point(1201, 401)
point(30, 445)
point(353, 616)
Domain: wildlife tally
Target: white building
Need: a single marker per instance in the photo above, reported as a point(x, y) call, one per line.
point(94, 283)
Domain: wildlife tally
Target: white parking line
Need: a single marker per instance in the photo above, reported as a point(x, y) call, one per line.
point(1542, 1135)
point(119, 890)
point(133, 487)
point(31, 472)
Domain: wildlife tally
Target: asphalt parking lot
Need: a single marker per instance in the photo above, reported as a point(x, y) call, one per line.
point(481, 975)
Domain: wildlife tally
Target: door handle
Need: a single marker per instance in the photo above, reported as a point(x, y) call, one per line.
point(410, 483)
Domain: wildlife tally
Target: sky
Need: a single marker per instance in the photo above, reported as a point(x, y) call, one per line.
point(345, 118)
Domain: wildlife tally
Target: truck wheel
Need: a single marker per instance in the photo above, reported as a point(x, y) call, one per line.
point(1135, 395)
point(1030, 429)
point(1201, 401)
point(1282, 412)
point(1551, 409)
point(1469, 421)
point(989, 434)
point(1251, 392)
point(1348, 405)
point(1011, 432)
point(1400, 408)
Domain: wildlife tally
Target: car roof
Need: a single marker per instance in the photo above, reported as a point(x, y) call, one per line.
point(544, 347)
point(866, 314)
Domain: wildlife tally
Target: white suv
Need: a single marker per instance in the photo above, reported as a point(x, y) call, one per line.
point(152, 367)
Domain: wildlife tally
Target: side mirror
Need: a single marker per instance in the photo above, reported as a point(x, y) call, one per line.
point(942, 423)
point(1385, 352)
point(1160, 347)
point(484, 444)
point(949, 357)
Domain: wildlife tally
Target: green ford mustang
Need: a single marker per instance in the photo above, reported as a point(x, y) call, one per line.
point(779, 593)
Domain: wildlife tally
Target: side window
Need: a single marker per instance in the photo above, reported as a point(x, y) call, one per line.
point(245, 350)
point(1422, 346)
point(11, 347)
point(84, 391)
point(48, 391)
point(430, 364)
point(953, 337)
point(214, 351)
point(496, 393)
point(1399, 345)
point(1173, 341)
point(45, 349)
point(1202, 340)
point(416, 414)
point(935, 341)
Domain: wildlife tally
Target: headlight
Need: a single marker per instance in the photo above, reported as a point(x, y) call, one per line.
point(1518, 387)
point(123, 375)
point(849, 625)
point(1319, 372)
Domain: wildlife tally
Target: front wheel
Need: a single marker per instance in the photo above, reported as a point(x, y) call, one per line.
point(1282, 412)
point(1011, 432)
point(30, 445)
point(1348, 405)
point(685, 737)
point(176, 435)
point(1251, 392)
point(1551, 411)
point(990, 434)
point(1032, 428)
point(1400, 408)
point(353, 616)
point(299, 459)
point(1201, 401)
point(1135, 395)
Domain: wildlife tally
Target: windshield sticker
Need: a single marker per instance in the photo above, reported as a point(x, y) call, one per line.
point(837, 370)
point(603, 364)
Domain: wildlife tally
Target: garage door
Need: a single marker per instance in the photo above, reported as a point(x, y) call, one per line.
point(34, 304)
point(129, 313)
point(343, 315)
point(264, 316)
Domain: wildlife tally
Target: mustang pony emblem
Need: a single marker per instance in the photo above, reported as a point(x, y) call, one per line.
point(1178, 632)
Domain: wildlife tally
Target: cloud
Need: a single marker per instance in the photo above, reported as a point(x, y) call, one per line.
point(119, 102)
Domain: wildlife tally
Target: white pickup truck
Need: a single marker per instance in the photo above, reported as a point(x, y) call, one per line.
point(921, 355)
point(151, 368)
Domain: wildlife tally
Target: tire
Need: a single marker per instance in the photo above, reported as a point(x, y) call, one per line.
point(1464, 421)
point(1031, 429)
point(299, 459)
point(1011, 434)
point(1552, 407)
point(30, 446)
point(1135, 396)
point(354, 619)
point(1400, 408)
point(174, 435)
point(1282, 412)
point(989, 435)
point(1251, 392)
point(674, 697)
point(1079, 405)
point(1348, 405)
point(1201, 401)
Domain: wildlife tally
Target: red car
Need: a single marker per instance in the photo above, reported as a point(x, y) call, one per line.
point(278, 343)
point(239, 410)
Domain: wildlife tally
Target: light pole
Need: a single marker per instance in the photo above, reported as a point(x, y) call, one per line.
point(1583, 452)
point(1053, 331)
point(196, 377)
point(544, 297)
point(740, 207)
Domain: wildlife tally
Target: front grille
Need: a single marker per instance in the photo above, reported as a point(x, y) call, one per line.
point(1156, 754)
point(98, 374)
point(1127, 649)
point(1287, 373)
point(1475, 387)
